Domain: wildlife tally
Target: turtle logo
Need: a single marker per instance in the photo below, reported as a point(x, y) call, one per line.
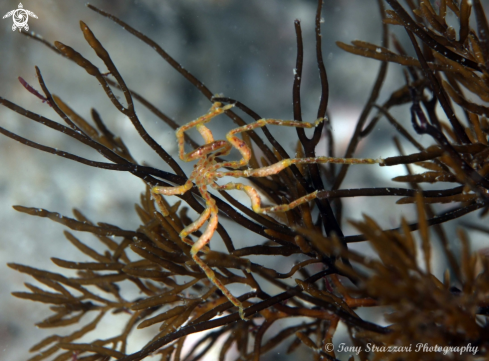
point(20, 17)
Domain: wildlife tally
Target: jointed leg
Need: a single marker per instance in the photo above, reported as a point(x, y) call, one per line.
point(222, 145)
point(274, 169)
point(279, 166)
point(216, 109)
point(194, 226)
point(199, 245)
point(245, 150)
point(211, 212)
point(168, 191)
point(205, 133)
point(256, 199)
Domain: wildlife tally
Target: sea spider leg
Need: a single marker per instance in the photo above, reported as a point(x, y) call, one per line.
point(274, 169)
point(200, 176)
point(256, 199)
point(169, 191)
point(216, 109)
point(200, 152)
point(285, 163)
point(245, 150)
point(211, 213)
point(195, 225)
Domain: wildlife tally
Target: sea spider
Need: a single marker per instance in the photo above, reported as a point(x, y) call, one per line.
point(206, 172)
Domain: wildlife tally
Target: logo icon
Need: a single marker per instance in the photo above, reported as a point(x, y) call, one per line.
point(20, 17)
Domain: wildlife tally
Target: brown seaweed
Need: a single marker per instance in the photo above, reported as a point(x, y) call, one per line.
point(331, 282)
